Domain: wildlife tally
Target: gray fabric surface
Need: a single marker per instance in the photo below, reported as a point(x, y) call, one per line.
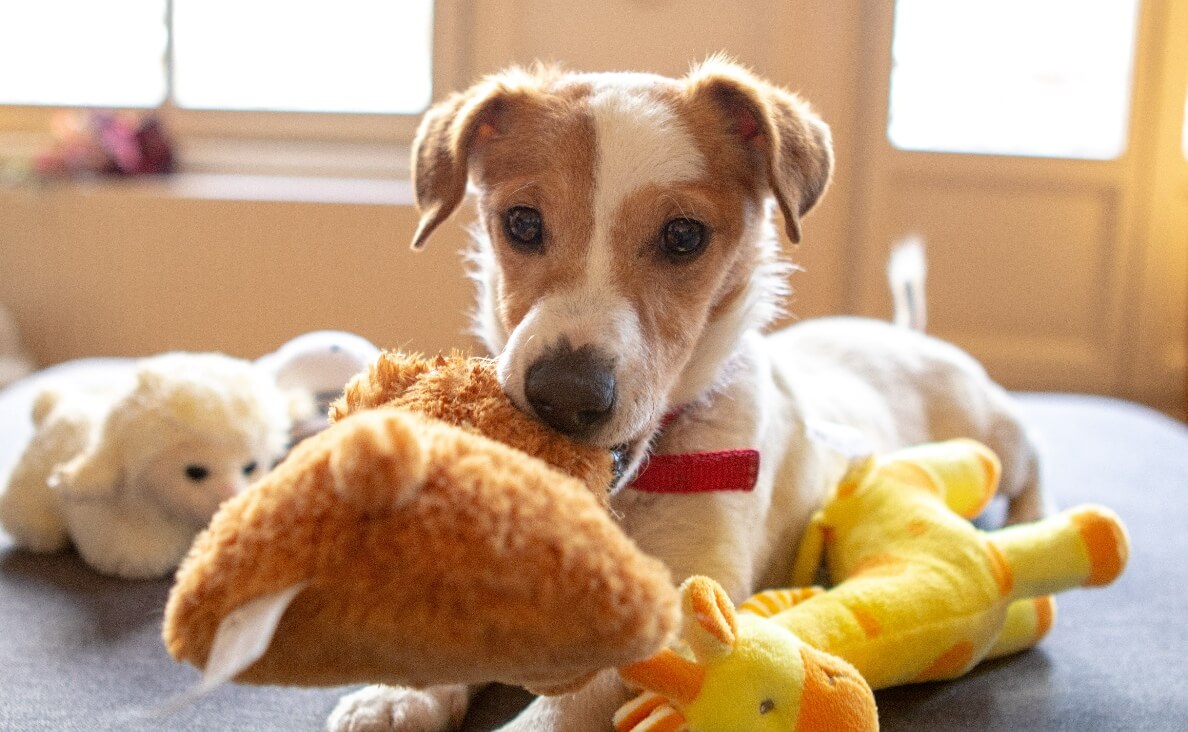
point(79, 651)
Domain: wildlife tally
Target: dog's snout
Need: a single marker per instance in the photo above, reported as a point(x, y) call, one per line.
point(573, 391)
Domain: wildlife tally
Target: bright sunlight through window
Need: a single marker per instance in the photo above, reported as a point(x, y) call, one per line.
point(83, 53)
point(1046, 78)
point(311, 56)
point(363, 56)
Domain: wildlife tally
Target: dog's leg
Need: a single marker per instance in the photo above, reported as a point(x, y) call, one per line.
point(590, 709)
point(695, 534)
point(1017, 448)
point(380, 708)
point(1030, 502)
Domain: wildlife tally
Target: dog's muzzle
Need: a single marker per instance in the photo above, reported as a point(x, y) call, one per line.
point(572, 391)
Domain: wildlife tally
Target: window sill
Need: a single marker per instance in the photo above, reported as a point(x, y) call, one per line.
point(213, 169)
point(234, 187)
point(278, 188)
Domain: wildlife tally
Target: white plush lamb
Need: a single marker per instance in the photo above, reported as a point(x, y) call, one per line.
point(130, 473)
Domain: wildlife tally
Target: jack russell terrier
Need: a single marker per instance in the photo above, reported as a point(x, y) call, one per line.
point(627, 265)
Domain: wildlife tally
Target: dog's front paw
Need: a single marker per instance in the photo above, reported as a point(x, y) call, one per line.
point(398, 709)
point(589, 709)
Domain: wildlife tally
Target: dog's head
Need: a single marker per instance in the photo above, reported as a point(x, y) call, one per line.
point(622, 236)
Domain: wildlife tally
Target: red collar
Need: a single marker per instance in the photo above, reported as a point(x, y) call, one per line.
point(699, 472)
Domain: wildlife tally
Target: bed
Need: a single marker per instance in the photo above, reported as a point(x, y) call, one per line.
point(79, 651)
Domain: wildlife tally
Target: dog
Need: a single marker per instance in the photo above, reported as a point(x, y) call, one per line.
point(627, 265)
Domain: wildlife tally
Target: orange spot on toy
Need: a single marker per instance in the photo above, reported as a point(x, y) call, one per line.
point(910, 474)
point(950, 664)
point(1045, 614)
point(879, 565)
point(1000, 568)
point(834, 698)
point(1107, 546)
point(866, 619)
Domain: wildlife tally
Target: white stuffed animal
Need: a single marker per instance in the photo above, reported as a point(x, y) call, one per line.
point(315, 367)
point(131, 472)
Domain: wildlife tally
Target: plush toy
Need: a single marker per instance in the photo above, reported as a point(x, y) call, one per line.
point(920, 595)
point(315, 367)
point(130, 472)
point(432, 534)
point(742, 673)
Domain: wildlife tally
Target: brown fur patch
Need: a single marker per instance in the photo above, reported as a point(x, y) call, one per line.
point(543, 157)
point(674, 300)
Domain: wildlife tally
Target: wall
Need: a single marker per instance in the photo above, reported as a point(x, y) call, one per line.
point(134, 269)
point(108, 269)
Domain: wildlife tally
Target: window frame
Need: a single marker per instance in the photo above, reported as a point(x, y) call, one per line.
point(1127, 107)
point(278, 142)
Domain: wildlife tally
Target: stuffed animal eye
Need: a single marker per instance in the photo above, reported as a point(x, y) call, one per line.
point(197, 472)
point(682, 238)
point(524, 227)
point(766, 706)
point(250, 468)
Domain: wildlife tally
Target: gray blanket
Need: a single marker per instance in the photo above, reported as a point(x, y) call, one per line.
point(79, 651)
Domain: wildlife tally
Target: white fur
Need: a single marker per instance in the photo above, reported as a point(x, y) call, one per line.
point(483, 272)
point(640, 142)
point(376, 708)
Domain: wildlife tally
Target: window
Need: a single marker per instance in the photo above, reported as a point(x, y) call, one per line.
point(311, 56)
point(1012, 77)
point(78, 53)
point(339, 56)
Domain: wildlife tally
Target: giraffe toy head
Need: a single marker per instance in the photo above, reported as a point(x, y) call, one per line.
point(743, 673)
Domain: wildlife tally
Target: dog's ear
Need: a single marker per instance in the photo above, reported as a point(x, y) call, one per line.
point(451, 131)
point(440, 154)
point(789, 143)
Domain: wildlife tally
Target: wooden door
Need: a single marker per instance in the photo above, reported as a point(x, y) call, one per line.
point(1057, 271)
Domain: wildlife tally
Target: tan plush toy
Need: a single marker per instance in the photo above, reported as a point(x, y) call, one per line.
point(404, 545)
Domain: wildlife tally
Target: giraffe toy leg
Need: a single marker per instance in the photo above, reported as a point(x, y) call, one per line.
point(1027, 622)
point(1085, 546)
point(648, 712)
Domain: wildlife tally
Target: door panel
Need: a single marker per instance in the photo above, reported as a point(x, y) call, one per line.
point(1056, 273)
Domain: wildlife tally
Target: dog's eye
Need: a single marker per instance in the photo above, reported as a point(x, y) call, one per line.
point(250, 468)
point(197, 472)
point(524, 227)
point(682, 238)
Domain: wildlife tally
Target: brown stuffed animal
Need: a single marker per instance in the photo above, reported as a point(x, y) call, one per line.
point(404, 545)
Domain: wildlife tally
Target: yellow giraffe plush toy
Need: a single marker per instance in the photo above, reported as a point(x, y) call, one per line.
point(920, 594)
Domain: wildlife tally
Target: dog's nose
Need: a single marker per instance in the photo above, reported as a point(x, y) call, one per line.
point(571, 391)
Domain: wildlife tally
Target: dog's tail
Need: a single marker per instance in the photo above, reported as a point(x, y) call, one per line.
point(906, 271)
